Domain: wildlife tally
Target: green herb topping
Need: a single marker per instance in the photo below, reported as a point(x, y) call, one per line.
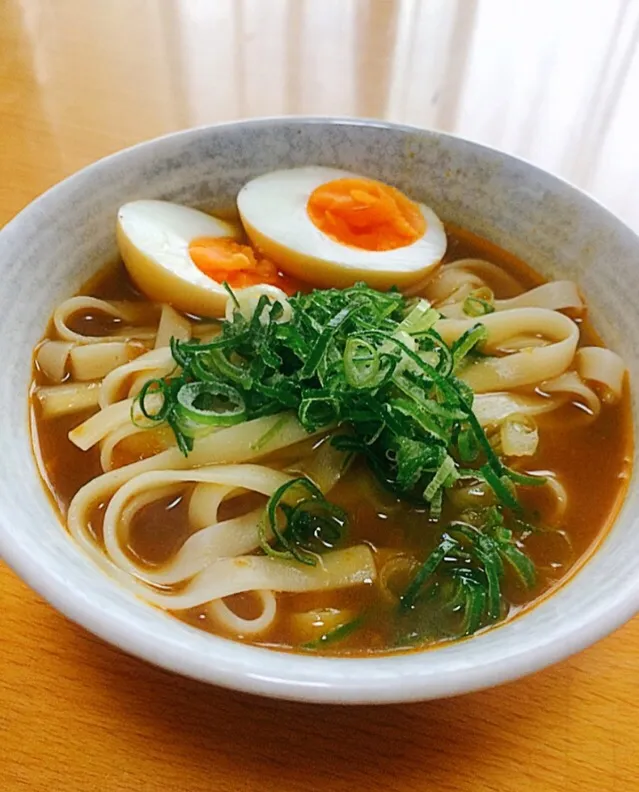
point(368, 363)
point(371, 369)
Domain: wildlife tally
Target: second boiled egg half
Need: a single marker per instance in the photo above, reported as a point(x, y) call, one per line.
point(331, 227)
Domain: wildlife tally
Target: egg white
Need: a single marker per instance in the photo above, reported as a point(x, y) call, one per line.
point(273, 209)
point(154, 237)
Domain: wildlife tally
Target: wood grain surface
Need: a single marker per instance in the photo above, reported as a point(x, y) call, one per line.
point(555, 81)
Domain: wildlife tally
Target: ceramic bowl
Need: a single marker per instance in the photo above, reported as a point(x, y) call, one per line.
point(64, 236)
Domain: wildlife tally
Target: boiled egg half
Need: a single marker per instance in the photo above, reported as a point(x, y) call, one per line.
point(331, 227)
point(159, 243)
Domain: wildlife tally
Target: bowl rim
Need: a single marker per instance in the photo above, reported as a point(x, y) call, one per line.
point(384, 688)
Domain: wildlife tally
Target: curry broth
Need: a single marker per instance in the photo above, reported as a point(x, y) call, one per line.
point(592, 460)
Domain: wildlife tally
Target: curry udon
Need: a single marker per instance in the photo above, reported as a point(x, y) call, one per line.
point(366, 467)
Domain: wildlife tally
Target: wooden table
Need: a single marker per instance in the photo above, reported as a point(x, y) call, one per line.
point(556, 81)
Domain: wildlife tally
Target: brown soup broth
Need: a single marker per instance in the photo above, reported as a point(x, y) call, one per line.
point(591, 458)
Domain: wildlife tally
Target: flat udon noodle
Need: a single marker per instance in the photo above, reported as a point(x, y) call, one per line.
point(218, 540)
point(129, 313)
point(228, 576)
point(110, 419)
point(455, 281)
point(238, 625)
point(158, 439)
point(228, 538)
point(241, 443)
point(154, 364)
point(596, 365)
point(400, 567)
point(555, 296)
point(527, 367)
point(560, 498)
point(238, 535)
point(95, 361)
point(574, 388)
point(599, 366)
point(87, 361)
point(603, 368)
point(555, 489)
point(246, 300)
point(171, 325)
point(212, 539)
point(70, 397)
point(305, 624)
point(492, 409)
point(327, 465)
point(52, 357)
point(205, 500)
point(220, 543)
point(83, 359)
point(324, 467)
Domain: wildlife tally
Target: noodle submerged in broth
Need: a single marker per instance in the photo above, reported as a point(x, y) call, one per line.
point(348, 470)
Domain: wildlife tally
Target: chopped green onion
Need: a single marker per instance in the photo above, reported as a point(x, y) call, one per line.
point(437, 504)
point(184, 442)
point(319, 350)
point(177, 352)
point(467, 342)
point(317, 411)
point(237, 374)
point(520, 563)
point(465, 573)
point(474, 607)
point(313, 524)
point(420, 319)
point(338, 633)
point(219, 404)
point(361, 363)
point(231, 293)
point(425, 572)
point(467, 444)
point(442, 477)
point(476, 306)
point(424, 420)
point(500, 485)
point(153, 387)
point(369, 362)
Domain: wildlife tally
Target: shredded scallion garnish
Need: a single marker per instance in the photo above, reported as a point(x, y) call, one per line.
point(369, 361)
point(372, 365)
point(302, 521)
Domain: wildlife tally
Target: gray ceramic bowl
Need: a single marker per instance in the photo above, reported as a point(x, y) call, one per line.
point(64, 236)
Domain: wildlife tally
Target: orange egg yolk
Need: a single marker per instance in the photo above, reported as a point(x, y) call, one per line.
point(365, 214)
point(224, 259)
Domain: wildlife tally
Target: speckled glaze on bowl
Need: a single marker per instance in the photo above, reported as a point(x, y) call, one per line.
point(60, 239)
